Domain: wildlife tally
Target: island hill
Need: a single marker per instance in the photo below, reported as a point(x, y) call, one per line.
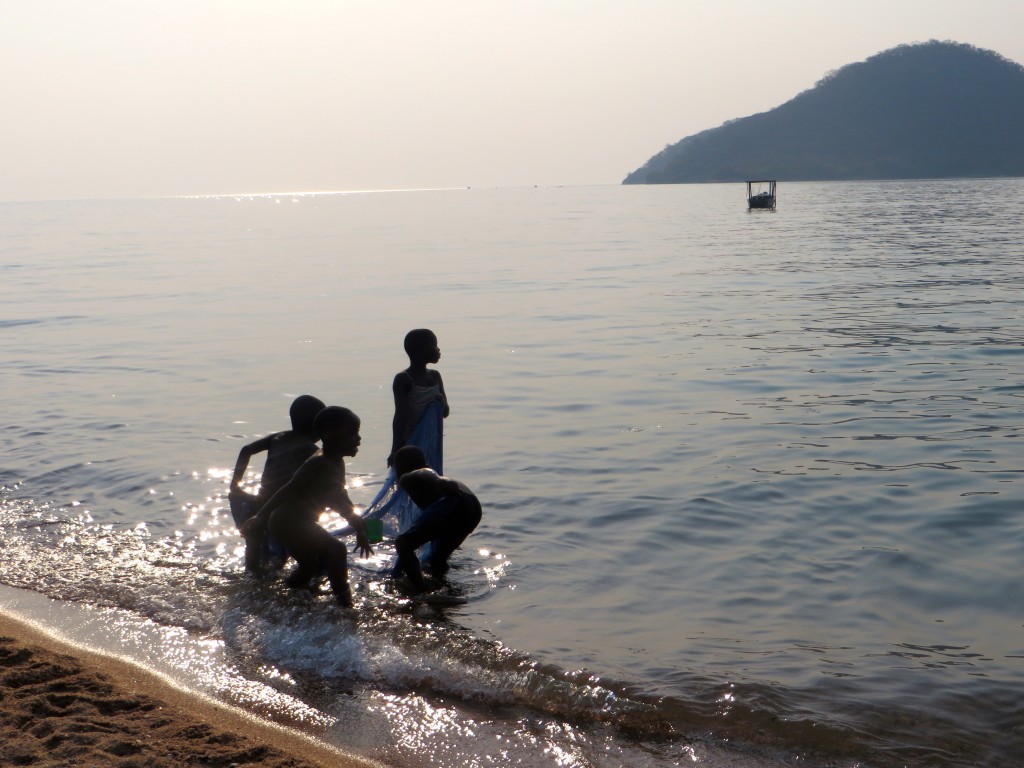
point(931, 110)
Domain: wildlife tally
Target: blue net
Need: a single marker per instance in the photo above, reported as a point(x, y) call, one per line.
point(392, 505)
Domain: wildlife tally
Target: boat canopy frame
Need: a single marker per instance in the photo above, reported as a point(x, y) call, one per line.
point(764, 200)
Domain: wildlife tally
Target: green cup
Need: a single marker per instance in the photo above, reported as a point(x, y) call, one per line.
point(374, 530)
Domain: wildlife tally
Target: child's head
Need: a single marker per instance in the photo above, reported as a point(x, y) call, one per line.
point(422, 485)
point(409, 458)
point(303, 413)
point(421, 346)
point(338, 429)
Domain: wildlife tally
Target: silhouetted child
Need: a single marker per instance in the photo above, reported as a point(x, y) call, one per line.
point(286, 451)
point(421, 406)
point(291, 514)
point(415, 390)
point(409, 458)
point(450, 513)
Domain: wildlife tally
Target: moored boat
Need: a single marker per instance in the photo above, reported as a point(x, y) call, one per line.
point(761, 194)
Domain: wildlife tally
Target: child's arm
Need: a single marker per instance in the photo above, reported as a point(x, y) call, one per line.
point(298, 495)
point(400, 387)
point(244, 455)
point(342, 504)
point(285, 495)
point(444, 395)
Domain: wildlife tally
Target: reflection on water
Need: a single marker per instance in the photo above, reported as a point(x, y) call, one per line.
point(745, 478)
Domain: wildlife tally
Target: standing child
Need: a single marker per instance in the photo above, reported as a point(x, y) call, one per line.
point(421, 405)
point(416, 389)
point(286, 451)
point(292, 513)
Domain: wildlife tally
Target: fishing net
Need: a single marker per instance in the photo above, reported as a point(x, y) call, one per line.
point(392, 505)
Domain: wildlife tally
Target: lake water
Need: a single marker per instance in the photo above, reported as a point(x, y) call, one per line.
point(752, 482)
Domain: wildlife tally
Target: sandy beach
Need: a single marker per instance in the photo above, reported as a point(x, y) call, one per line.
point(63, 705)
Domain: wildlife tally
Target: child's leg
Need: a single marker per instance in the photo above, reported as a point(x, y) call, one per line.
point(303, 573)
point(462, 522)
point(303, 545)
point(333, 553)
point(253, 549)
point(408, 563)
point(430, 525)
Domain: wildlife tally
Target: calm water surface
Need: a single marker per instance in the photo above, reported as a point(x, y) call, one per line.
point(752, 481)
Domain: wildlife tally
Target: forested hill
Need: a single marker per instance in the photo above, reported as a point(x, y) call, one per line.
point(932, 110)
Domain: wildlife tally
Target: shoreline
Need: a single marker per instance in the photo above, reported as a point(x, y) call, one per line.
point(65, 704)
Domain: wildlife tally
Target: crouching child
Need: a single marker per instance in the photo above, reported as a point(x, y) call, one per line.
point(451, 512)
point(291, 515)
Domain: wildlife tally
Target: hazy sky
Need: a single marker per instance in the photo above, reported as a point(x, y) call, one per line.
point(126, 98)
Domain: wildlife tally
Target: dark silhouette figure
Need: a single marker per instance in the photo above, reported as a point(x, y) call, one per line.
point(416, 388)
point(291, 514)
point(286, 451)
point(450, 512)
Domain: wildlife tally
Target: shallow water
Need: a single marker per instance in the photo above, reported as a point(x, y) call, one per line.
point(751, 480)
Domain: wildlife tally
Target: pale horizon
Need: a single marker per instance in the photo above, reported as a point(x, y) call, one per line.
point(119, 99)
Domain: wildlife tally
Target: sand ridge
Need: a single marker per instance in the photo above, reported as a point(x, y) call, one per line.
point(63, 705)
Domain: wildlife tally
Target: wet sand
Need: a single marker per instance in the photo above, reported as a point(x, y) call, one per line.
point(62, 705)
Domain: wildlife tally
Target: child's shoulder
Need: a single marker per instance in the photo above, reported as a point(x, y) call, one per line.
point(318, 466)
point(291, 439)
point(293, 436)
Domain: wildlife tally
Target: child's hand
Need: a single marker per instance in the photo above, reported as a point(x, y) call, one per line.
point(363, 545)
